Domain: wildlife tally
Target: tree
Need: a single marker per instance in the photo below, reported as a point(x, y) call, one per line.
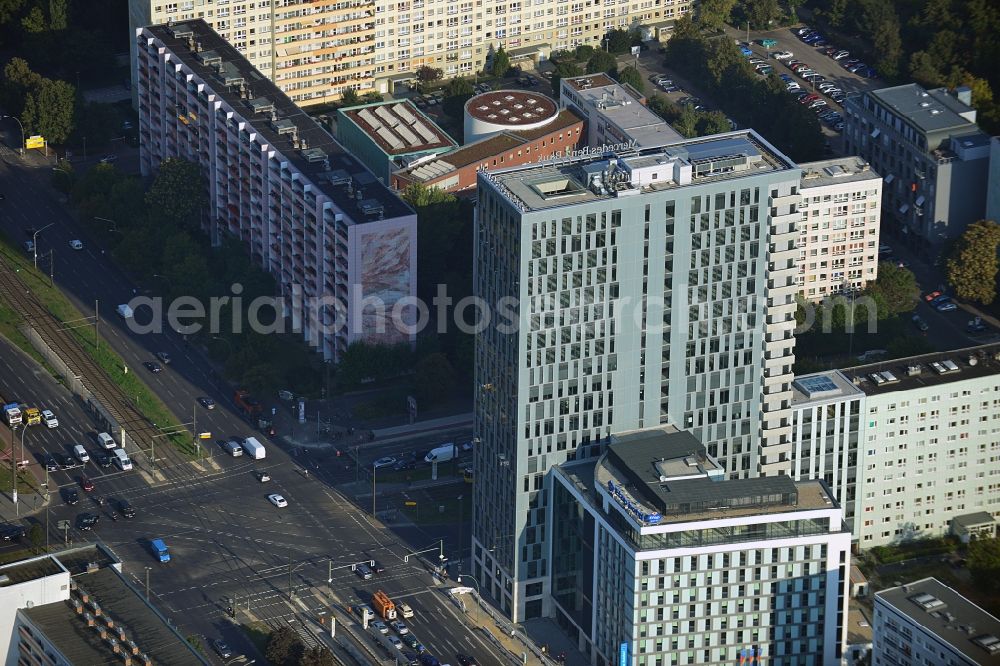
point(602, 61)
point(619, 40)
point(972, 267)
point(9, 9)
point(18, 81)
point(36, 535)
point(894, 291)
point(924, 70)
point(34, 21)
point(371, 97)
point(58, 11)
point(713, 14)
point(500, 64)
point(584, 51)
point(984, 564)
point(761, 13)
point(713, 122)
point(456, 93)
point(428, 74)
point(318, 656)
point(433, 379)
point(349, 97)
point(48, 110)
point(631, 76)
point(178, 193)
point(281, 647)
point(419, 195)
point(563, 70)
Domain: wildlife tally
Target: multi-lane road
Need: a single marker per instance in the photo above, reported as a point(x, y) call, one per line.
point(229, 545)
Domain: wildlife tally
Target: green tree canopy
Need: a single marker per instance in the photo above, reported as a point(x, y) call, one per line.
point(433, 379)
point(632, 77)
point(761, 13)
point(457, 92)
point(713, 14)
point(419, 195)
point(500, 64)
point(349, 97)
point(602, 61)
point(984, 564)
point(427, 74)
point(318, 656)
point(972, 267)
point(49, 111)
point(619, 40)
point(563, 70)
point(178, 194)
point(283, 647)
point(894, 291)
point(584, 51)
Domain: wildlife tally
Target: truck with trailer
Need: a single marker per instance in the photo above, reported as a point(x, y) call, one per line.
point(253, 448)
point(383, 605)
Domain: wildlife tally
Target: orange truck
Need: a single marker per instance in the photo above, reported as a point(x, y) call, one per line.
point(247, 403)
point(383, 605)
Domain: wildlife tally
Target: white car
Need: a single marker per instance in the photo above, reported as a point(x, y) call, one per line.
point(76, 244)
point(49, 418)
point(277, 500)
point(81, 453)
point(782, 55)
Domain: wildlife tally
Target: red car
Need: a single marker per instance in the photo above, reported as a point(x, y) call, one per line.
point(809, 99)
point(931, 296)
point(86, 484)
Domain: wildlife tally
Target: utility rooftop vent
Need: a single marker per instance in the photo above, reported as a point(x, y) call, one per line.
point(988, 642)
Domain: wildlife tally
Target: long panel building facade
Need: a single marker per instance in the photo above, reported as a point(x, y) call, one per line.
point(651, 287)
point(315, 51)
point(341, 246)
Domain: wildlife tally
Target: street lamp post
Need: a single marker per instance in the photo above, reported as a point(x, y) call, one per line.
point(374, 469)
point(20, 149)
point(34, 242)
point(148, 569)
point(478, 598)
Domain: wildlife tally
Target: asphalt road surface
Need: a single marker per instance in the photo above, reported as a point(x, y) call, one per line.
point(227, 541)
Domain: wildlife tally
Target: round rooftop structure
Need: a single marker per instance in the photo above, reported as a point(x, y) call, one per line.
point(501, 110)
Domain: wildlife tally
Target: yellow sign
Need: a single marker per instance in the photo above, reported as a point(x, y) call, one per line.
point(36, 141)
point(204, 435)
point(410, 503)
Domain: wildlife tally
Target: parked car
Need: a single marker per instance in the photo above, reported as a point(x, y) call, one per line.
point(948, 306)
point(782, 55)
point(76, 244)
point(920, 323)
point(928, 297)
point(840, 55)
point(277, 500)
point(976, 325)
point(943, 298)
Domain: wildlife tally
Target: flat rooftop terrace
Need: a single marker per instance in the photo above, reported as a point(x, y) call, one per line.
point(302, 142)
point(599, 177)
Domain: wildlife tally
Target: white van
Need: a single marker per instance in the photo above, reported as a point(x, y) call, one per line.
point(106, 441)
point(125, 311)
point(81, 453)
point(121, 459)
point(440, 454)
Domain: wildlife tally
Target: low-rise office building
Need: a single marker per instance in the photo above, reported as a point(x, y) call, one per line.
point(615, 113)
point(386, 136)
point(927, 622)
point(927, 147)
point(75, 607)
point(457, 171)
point(658, 559)
point(839, 235)
point(341, 245)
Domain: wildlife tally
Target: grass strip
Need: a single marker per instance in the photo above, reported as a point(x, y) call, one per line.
point(57, 303)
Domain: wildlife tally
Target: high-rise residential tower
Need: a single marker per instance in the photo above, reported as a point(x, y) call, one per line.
point(649, 287)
